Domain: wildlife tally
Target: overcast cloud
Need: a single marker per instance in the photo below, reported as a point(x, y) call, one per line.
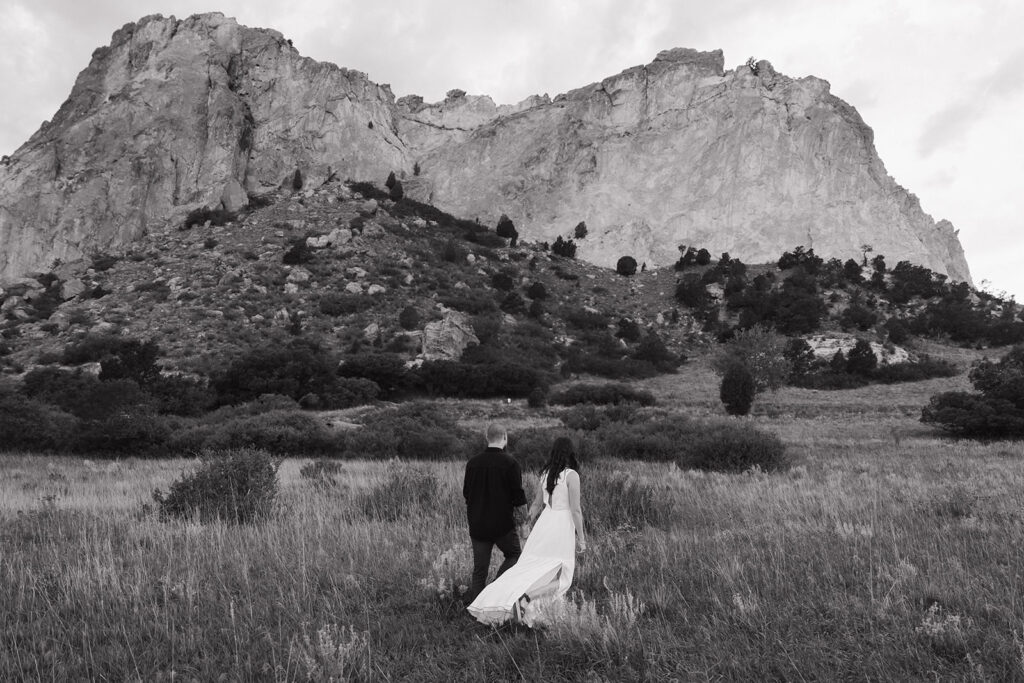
point(940, 81)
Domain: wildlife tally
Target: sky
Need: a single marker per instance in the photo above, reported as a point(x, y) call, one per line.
point(941, 82)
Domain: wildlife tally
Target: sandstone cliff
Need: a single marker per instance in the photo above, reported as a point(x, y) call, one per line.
point(175, 114)
point(681, 151)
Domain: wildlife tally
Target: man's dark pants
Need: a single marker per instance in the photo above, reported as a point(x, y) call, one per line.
point(507, 544)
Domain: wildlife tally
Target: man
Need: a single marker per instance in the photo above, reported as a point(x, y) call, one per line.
point(493, 488)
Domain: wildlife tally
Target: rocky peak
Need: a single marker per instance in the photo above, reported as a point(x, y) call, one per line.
point(176, 114)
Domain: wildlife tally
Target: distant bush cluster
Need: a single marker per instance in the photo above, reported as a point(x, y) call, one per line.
point(995, 411)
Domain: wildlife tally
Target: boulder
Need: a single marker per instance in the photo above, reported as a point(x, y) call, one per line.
point(299, 276)
point(233, 197)
point(373, 290)
point(354, 288)
point(447, 338)
point(71, 288)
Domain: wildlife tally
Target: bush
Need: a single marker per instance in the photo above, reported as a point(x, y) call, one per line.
point(861, 359)
point(628, 330)
point(602, 394)
point(924, 368)
point(652, 350)
point(702, 257)
point(619, 500)
point(239, 486)
point(298, 253)
point(583, 319)
point(397, 192)
point(626, 266)
point(413, 431)
point(409, 318)
point(580, 231)
point(829, 380)
point(564, 248)
point(538, 398)
point(502, 282)
point(762, 351)
point(387, 370)
point(537, 291)
point(472, 380)
point(282, 432)
point(588, 417)
point(294, 370)
point(215, 216)
point(31, 425)
point(408, 491)
point(129, 432)
point(857, 316)
point(997, 412)
point(653, 441)
point(734, 448)
point(334, 304)
point(84, 395)
point(737, 389)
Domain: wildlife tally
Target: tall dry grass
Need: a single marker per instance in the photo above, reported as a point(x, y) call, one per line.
point(885, 553)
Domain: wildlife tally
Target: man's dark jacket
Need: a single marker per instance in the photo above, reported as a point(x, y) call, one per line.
point(493, 488)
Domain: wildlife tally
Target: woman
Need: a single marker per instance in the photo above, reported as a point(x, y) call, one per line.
point(545, 569)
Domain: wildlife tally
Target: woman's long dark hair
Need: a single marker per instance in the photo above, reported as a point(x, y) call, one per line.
point(563, 455)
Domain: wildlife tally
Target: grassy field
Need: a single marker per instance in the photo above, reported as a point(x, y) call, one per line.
point(884, 553)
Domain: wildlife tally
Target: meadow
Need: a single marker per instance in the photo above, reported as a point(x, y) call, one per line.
point(884, 552)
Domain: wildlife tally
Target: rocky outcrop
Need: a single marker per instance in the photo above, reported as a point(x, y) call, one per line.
point(177, 114)
point(447, 338)
point(680, 151)
point(166, 117)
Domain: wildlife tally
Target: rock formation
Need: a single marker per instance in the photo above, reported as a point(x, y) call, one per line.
point(174, 115)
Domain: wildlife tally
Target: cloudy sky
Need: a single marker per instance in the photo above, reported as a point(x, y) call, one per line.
point(941, 82)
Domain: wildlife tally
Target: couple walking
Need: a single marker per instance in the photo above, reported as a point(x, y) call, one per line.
point(494, 495)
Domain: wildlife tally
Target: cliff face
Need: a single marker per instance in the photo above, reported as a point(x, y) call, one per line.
point(679, 151)
point(682, 152)
point(164, 117)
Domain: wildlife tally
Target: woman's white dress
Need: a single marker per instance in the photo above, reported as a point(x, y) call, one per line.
point(545, 567)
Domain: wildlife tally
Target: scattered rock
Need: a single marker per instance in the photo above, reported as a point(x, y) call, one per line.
point(291, 288)
point(354, 288)
point(299, 276)
point(71, 288)
point(373, 290)
point(371, 331)
point(369, 207)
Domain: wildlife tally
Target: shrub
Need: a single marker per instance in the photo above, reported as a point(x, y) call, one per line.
point(862, 359)
point(470, 380)
point(409, 318)
point(602, 394)
point(628, 330)
point(924, 368)
point(31, 425)
point(507, 229)
point(134, 432)
point(626, 266)
point(997, 412)
point(588, 417)
point(564, 248)
point(538, 398)
point(702, 257)
point(831, 380)
point(391, 180)
point(215, 216)
point(387, 370)
point(537, 291)
point(692, 292)
point(800, 356)
point(84, 395)
point(502, 282)
point(580, 231)
point(584, 319)
point(611, 368)
point(857, 316)
point(335, 304)
point(397, 192)
point(283, 432)
point(734, 448)
point(617, 500)
point(898, 332)
point(652, 349)
point(737, 389)
point(238, 486)
point(413, 431)
point(762, 351)
point(298, 253)
point(294, 370)
point(407, 491)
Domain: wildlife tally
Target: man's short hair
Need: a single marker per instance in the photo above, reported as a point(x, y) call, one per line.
point(495, 432)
